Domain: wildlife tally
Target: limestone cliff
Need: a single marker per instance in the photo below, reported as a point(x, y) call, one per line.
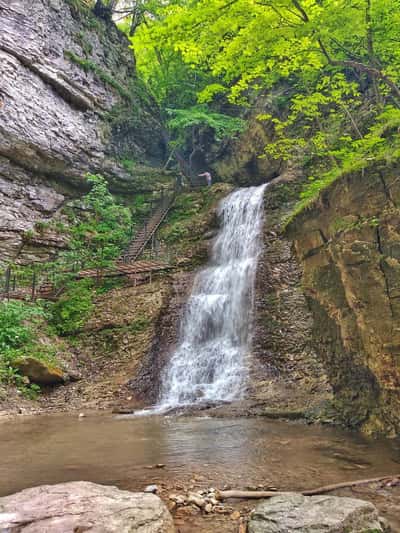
point(348, 244)
point(69, 104)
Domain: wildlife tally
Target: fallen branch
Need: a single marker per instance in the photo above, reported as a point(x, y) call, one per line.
point(330, 488)
point(260, 494)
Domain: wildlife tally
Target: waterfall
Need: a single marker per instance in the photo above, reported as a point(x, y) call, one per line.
point(209, 363)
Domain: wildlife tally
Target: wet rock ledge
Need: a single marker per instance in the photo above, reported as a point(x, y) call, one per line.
point(83, 506)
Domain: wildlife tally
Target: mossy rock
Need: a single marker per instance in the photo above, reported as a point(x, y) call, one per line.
point(39, 371)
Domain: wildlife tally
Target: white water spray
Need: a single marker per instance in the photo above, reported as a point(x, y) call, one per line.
point(209, 363)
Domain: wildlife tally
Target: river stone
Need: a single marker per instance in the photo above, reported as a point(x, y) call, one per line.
point(39, 372)
point(83, 506)
point(295, 513)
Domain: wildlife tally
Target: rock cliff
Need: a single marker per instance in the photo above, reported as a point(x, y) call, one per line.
point(69, 104)
point(348, 244)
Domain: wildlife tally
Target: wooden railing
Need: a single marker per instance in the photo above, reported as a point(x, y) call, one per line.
point(41, 281)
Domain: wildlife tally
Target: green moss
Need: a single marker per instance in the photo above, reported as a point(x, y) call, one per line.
point(186, 209)
point(52, 225)
point(90, 66)
point(129, 165)
point(139, 324)
point(85, 44)
point(82, 10)
point(342, 224)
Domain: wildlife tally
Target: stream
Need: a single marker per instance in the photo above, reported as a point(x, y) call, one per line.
point(205, 452)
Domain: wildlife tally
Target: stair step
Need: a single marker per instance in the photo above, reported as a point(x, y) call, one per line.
point(146, 232)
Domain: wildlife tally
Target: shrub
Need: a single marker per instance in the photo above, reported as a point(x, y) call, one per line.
point(14, 332)
point(70, 312)
point(17, 339)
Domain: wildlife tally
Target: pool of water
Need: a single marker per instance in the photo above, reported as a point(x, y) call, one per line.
point(236, 452)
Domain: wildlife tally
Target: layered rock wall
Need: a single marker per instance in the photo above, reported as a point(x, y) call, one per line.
point(349, 247)
point(69, 104)
point(287, 378)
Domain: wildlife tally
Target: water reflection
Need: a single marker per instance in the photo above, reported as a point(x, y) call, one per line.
point(51, 449)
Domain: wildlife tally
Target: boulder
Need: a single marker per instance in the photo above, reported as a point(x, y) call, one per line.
point(39, 371)
point(83, 506)
point(295, 513)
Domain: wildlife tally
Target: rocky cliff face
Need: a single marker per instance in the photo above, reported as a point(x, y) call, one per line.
point(69, 104)
point(348, 244)
point(243, 160)
point(287, 377)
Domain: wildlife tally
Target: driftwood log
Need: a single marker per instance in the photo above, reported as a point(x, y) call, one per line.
point(260, 494)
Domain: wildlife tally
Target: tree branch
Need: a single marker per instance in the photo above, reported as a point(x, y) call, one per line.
point(261, 494)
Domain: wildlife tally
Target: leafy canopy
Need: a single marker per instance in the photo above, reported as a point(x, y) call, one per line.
point(328, 70)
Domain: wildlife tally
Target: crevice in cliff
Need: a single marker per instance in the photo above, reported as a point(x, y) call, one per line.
point(386, 189)
point(382, 269)
point(71, 93)
point(378, 240)
point(323, 237)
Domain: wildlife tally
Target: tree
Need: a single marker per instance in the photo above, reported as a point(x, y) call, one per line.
point(188, 126)
point(328, 70)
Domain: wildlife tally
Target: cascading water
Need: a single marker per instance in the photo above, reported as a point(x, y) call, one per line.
point(209, 363)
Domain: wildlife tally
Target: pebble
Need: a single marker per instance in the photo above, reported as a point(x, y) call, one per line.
point(235, 515)
point(196, 499)
point(82, 415)
point(152, 489)
point(180, 500)
point(208, 508)
point(159, 465)
point(172, 505)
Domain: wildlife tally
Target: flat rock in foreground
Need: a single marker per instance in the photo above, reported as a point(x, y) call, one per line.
point(82, 506)
point(294, 513)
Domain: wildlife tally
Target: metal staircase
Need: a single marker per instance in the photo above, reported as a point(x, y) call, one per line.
point(149, 228)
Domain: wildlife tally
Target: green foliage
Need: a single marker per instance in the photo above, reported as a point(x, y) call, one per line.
point(380, 144)
point(328, 71)
point(72, 309)
point(97, 237)
point(90, 66)
point(19, 322)
point(184, 120)
point(172, 81)
point(129, 165)
point(101, 232)
point(14, 332)
point(31, 392)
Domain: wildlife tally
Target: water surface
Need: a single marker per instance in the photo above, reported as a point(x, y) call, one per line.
point(236, 452)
